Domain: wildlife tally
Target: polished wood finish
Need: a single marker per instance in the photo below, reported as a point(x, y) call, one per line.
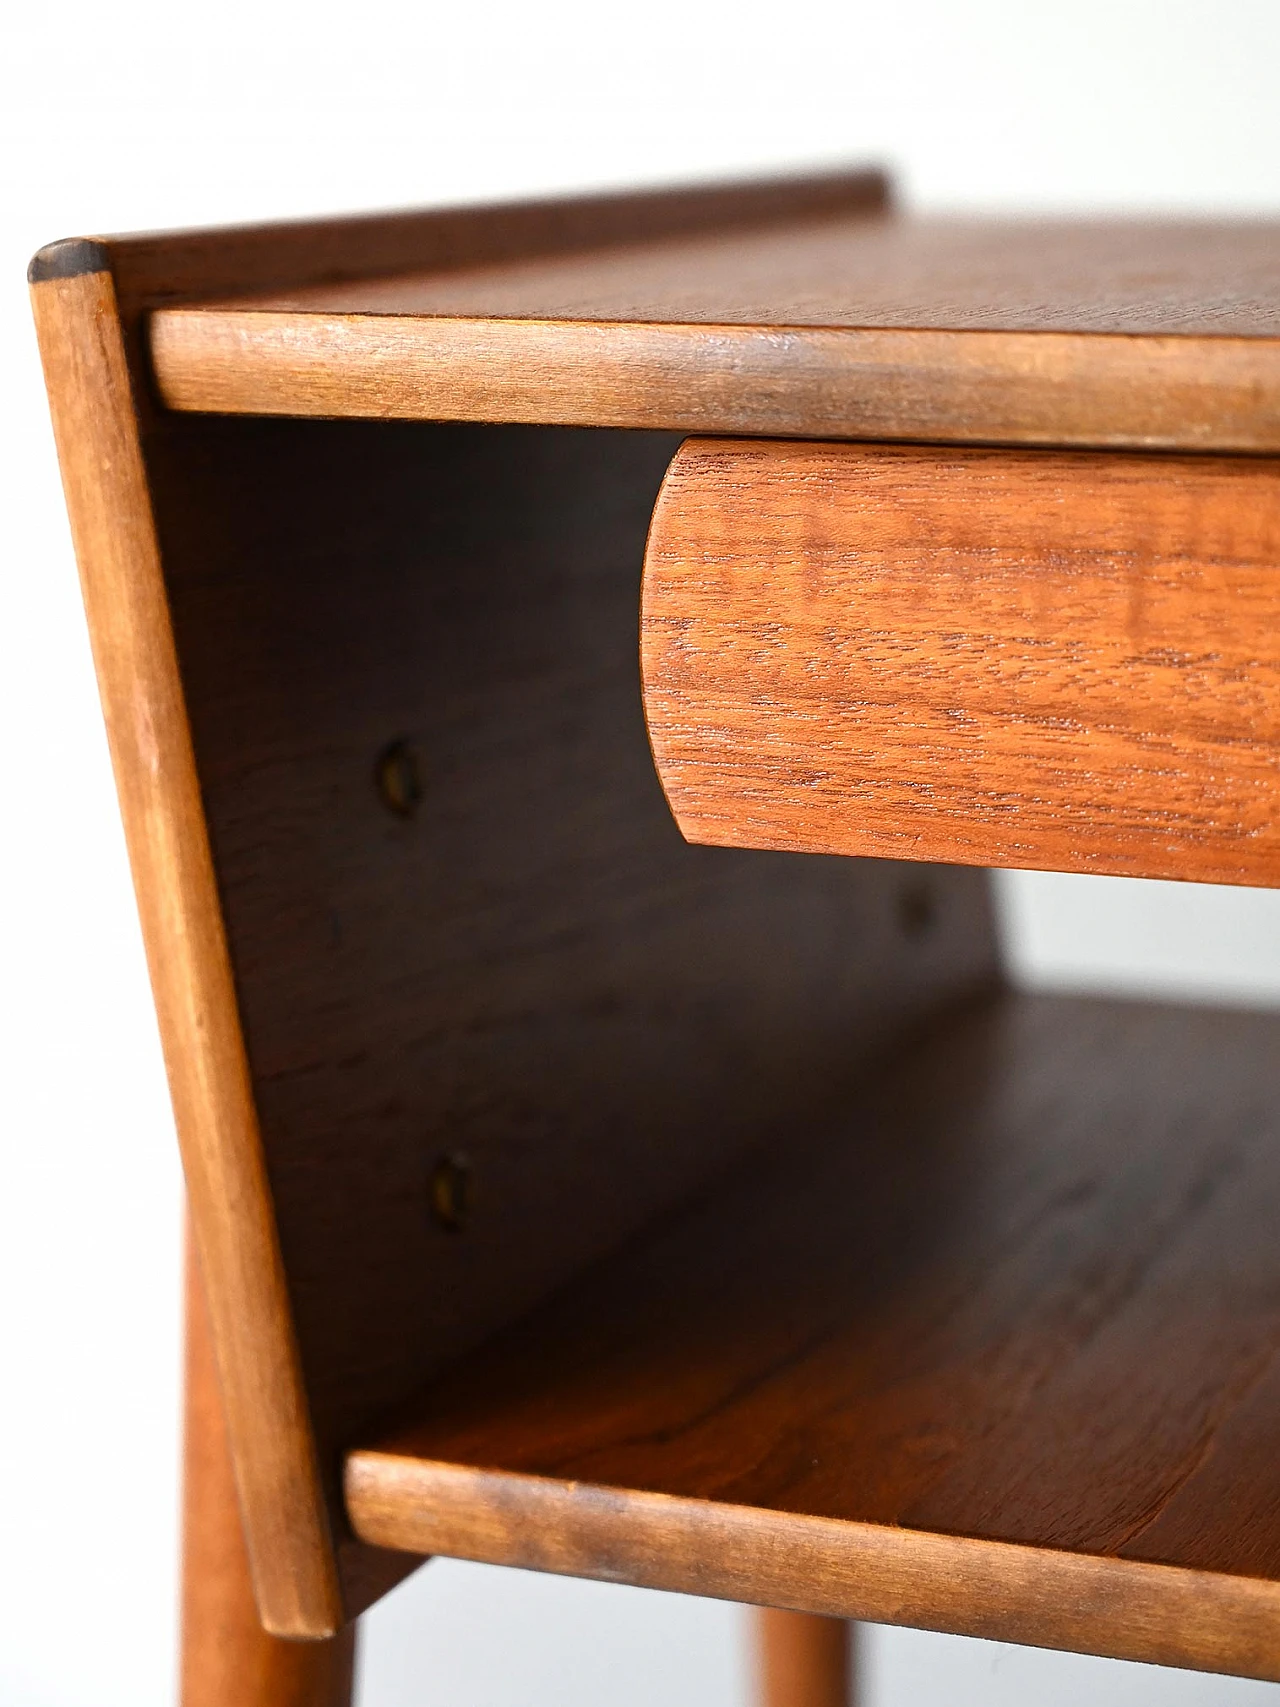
point(878, 1572)
point(227, 1657)
point(995, 1353)
point(803, 1661)
point(573, 1197)
point(838, 324)
point(109, 500)
point(427, 892)
point(1003, 658)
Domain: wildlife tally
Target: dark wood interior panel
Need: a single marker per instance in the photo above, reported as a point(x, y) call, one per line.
point(526, 991)
point(1023, 1292)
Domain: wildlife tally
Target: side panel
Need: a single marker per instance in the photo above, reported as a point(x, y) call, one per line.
point(108, 499)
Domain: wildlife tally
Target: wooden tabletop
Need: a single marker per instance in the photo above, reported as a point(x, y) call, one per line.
point(1198, 278)
point(858, 324)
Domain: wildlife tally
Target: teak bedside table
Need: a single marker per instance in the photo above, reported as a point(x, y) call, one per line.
point(711, 1217)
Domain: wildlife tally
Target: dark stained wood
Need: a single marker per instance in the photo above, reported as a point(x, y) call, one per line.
point(226, 1654)
point(1115, 333)
point(1004, 658)
point(530, 970)
point(993, 1352)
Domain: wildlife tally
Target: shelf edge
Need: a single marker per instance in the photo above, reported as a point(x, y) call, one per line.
point(1126, 1609)
point(1082, 390)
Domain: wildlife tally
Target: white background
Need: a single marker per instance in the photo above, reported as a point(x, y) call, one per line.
point(135, 115)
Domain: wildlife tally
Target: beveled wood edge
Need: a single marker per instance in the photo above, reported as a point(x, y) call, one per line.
point(234, 260)
point(1123, 1608)
point(105, 482)
point(1073, 390)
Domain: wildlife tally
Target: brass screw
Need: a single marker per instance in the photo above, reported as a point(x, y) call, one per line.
point(451, 1192)
point(398, 774)
point(916, 910)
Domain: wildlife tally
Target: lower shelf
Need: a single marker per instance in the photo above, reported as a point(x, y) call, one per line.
point(998, 1357)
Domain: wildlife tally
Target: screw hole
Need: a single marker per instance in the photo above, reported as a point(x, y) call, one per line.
point(398, 775)
point(451, 1192)
point(917, 912)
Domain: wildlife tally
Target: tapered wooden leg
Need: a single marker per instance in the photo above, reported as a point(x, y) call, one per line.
point(804, 1661)
point(228, 1660)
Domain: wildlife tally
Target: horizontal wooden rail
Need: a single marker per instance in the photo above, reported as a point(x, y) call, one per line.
point(1057, 660)
point(1033, 388)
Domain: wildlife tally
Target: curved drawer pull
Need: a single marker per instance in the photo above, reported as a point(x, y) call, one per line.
point(1035, 658)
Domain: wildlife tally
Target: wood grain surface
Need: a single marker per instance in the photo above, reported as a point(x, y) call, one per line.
point(836, 266)
point(1113, 333)
point(155, 269)
point(1061, 661)
point(994, 1352)
point(526, 970)
point(108, 491)
point(742, 1310)
point(530, 970)
point(226, 1655)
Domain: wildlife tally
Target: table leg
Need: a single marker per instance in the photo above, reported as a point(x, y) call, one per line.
point(804, 1660)
point(228, 1660)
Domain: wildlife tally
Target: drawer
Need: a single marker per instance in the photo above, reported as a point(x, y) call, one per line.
point(1008, 658)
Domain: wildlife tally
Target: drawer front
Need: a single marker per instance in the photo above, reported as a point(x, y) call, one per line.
point(1059, 660)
